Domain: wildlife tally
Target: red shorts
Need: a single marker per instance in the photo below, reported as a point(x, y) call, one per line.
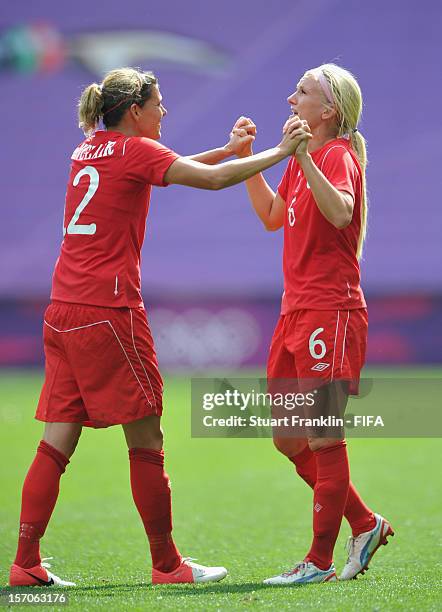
point(318, 346)
point(101, 368)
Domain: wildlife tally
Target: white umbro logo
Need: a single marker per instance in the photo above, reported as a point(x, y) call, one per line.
point(319, 367)
point(317, 507)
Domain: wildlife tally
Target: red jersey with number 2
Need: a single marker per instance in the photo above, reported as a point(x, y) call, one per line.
point(107, 202)
point(321, 271)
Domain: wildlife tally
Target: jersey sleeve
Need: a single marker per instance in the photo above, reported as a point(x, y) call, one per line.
point(147, 161)
point(283, 186)
point(340, 169)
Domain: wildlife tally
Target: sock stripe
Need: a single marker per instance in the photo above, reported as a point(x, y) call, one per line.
point(330, 449)
point(60, 459)
point(300, 459)
point(149, 455)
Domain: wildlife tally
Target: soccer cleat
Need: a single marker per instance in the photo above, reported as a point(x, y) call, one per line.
point(187, 572)
point(305, 572)
point(362, 548)
point(35, 576)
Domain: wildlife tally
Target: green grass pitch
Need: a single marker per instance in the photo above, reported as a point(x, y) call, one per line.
point(236, 503)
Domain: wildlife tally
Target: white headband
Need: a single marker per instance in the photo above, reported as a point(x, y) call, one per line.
point(324, 85)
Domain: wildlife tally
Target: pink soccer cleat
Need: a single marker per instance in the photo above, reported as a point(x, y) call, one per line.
point(35, 576)
point(188, 572)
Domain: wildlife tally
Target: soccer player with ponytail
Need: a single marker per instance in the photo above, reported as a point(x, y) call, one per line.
point(101, 368)
point(320, 340)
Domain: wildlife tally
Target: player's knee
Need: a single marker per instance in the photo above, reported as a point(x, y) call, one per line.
point(145, 433)
point(63, 437)
point(73, 444)
point(316, 444)
point(156, 435)
point(158, 439)
point(151, 439)
point(280, 445)
point(289, 446)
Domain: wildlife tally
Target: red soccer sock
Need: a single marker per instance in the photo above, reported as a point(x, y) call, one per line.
point(151, 492)
point(39, 495)
point(359, 516)
point(329, 499)
point(305, 464)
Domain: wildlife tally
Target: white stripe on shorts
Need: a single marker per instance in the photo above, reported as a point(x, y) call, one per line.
point(139, 359)
point(343, 342)
point(65, 331)
point(334, 346)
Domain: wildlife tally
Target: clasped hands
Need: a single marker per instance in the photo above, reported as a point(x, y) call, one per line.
point(244, 132)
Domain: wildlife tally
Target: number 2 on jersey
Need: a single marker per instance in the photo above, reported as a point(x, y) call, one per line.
point(73, 226)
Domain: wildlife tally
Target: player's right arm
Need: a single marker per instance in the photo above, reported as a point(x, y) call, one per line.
point(184, 171)
point(268, 205)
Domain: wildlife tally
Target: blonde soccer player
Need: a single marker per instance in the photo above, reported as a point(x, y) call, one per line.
point(321, 336)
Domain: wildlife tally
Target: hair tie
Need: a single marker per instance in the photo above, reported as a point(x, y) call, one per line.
point(354, 130)
point(116, 105)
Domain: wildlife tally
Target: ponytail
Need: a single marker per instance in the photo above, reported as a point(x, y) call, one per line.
point(360, 148)
point(119, 90)
point(90, 108)
point(347, 100)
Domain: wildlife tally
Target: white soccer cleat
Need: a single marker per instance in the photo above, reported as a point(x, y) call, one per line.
point(189, 572)
point(305, 572)
point(362, 548)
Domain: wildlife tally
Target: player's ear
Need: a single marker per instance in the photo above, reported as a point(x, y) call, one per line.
point(134, 110)
point(328, 113)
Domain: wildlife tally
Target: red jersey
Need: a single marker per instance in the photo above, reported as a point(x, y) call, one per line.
point(107, 202)
point(321, 271)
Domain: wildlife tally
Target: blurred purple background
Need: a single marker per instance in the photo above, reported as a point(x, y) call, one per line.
point(206, 253)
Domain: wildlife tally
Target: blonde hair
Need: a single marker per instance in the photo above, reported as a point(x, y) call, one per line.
point(348, 104)
point(109, 101)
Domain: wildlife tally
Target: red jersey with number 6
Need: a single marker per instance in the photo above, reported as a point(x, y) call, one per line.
point(107, 202)
point(321, 271)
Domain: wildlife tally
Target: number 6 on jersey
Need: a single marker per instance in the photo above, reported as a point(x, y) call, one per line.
point(91, 228)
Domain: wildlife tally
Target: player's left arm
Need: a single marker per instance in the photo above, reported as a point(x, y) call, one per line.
point(336, 205)
point(236, 144)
